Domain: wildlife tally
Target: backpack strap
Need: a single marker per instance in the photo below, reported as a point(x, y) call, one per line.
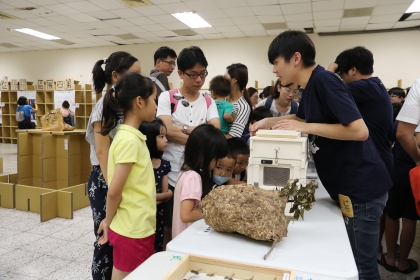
point(158, 83)
point(174, 102)
point(268, 102)
point(208, 100)
point(294, 107)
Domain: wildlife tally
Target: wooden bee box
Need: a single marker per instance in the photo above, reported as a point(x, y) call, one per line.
point(212, 267)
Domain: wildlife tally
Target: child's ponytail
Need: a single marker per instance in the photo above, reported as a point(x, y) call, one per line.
point(111, 112)
point(119, 99)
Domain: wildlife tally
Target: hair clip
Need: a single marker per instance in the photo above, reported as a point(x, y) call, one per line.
point(105, 59)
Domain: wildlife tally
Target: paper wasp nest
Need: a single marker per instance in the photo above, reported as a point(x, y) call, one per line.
point(53, 121)
point(248, 210)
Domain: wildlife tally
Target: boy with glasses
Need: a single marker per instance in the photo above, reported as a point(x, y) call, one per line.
point(165, 63)
point(191, 110)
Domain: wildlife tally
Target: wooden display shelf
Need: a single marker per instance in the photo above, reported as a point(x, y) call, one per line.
point(45, 100)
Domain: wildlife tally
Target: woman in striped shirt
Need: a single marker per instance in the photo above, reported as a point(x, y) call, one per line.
point(237, 73)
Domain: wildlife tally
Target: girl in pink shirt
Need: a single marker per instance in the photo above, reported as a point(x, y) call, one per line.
point(205, 145)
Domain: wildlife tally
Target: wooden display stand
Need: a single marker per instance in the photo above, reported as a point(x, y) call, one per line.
point(52, 171)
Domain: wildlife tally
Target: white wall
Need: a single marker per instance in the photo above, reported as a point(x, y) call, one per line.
point(396, 54)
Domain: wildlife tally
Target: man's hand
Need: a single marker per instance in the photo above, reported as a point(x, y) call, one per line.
point(292, 125)
point(262, 124)
point(332, 67)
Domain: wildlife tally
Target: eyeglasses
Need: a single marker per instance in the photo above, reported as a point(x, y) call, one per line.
point(172, 63)
point(178, 97)
point(195, 75)
point(290, 91)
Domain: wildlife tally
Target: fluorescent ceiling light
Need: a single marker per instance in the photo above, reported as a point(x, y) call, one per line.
point(36, 33)
point(414, 8)
point(192, 20)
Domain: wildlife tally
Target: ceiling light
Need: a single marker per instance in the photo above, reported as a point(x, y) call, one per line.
point(36, 33)
point(414, 8)
point(192, 20)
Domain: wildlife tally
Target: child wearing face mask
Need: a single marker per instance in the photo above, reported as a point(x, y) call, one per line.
point(241, 149)
point(224, 169)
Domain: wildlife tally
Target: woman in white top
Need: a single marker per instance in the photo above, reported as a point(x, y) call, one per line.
point(237, 73)
point(115, 66)
point(281, 102)
point(182, 116)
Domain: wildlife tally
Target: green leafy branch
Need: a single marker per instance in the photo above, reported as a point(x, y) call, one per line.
point(301, 196)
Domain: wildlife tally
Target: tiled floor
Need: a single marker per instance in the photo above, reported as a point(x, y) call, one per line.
point(62, 248)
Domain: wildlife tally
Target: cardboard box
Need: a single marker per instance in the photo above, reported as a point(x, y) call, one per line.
point(1, 165)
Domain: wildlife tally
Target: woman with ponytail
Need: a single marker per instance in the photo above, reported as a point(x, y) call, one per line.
point(106, 73)
point(237, 73)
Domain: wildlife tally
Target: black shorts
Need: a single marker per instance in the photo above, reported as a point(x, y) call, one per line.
point(168, 209)
point(401, 202)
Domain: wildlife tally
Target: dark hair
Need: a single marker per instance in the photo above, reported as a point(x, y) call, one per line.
point(407, 90)
point(266, 92)
point(130, 86)
point(260, 113)
point(397, 91)
point(288, 43)
point(220, 86)
point(396, 107)
point(274, 91)
point(239, 146)
point(163, 53)
point(251, 91)
point(22, 100)
point(204, 144)
point(358, 57)
point(119, 62)
point(152, 130)
point(240, 73)
point(65, 104)
point(189, 57)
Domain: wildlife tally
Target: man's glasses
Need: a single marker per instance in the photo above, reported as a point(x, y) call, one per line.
point(172, 63)
point(290, 91)
point(179, 96)
point(195, 75)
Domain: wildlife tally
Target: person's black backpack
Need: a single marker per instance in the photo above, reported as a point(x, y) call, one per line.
point(293, 107)
point(67, 119)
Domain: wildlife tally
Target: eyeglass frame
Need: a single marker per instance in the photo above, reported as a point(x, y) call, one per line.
point(201, 75)
point(172, 63)
point(289, 90)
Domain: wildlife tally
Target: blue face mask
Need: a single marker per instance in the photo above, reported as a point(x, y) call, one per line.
point(220, 180)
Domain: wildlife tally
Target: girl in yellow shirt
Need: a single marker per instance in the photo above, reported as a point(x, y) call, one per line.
point(131, 201)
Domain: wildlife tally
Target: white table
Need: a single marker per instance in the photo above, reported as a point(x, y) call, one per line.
point(316, 248)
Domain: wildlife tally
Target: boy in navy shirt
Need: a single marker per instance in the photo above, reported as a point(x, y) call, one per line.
point(348, 163)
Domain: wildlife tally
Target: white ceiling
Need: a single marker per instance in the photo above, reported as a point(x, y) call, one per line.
point(93, 23)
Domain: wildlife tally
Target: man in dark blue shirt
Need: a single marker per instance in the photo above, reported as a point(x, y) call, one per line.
point(355, 67)
point(348, 163)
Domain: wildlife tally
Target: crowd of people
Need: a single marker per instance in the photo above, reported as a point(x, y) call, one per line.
point(156, 152)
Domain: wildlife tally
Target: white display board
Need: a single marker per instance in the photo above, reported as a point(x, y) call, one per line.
point(31, 95)
point(61, 95)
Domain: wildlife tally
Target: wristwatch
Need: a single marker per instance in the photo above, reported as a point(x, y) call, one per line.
point(185, 128)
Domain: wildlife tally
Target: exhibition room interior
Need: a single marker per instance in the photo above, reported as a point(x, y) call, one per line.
point(60, 39)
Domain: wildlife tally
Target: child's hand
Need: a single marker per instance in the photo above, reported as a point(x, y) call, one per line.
point(103, 227)
point(169, 195)
point(234, 116)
